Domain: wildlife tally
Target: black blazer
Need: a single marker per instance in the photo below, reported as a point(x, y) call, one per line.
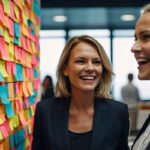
point(142, 130)
point(110, 126)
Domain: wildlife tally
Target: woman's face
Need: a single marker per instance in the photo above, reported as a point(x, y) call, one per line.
point(141, 48)
point(84, 68)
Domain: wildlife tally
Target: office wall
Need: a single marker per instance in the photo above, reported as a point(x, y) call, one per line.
point(19, 71)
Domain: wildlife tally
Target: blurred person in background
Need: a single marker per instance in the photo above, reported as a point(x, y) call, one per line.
point(141, 50)
point(130, 96)
point(47, 88)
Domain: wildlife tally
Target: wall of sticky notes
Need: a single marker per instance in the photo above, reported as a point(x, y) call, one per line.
point(19, 71)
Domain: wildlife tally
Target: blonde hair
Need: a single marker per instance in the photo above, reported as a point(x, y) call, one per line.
point(63, 87)
point(146, 9)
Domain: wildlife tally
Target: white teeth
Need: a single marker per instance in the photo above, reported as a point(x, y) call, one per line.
point(88, 78)
point(143, 59)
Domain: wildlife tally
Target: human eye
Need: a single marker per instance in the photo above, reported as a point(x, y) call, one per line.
point(146, 36)
point(79, 61)
point(97, 62)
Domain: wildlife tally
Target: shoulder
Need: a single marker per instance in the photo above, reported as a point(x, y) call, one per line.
point(113, 105)
point(51, 103)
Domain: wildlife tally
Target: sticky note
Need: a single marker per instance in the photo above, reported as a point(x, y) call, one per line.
point(6, 4)
point(1, 138)
point(17, 29)
point(8, 67)
point(11, 51)
point(3, 69)
point(22, 118)
point(4, 98)
point(1, 78)
point(11, 90)
point(12, 9)
point(11, 27)
point(4, 131)
point(9, 110)
point(12, 141)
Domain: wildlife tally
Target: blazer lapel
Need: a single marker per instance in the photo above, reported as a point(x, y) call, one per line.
point(101, 117)
point(60, 119)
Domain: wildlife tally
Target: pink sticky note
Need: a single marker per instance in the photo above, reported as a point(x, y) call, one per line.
point(4, 131)
point(12, 10)
point(1, 13)
point(13, 68)
point(8, 66)
point(11, 27)
point(17, 87)
point(26, 102)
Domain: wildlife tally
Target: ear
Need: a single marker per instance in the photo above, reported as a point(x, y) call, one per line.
point(65, 72)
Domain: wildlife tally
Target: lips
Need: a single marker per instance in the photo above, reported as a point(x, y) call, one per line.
point(143, 61)
point(87, 77)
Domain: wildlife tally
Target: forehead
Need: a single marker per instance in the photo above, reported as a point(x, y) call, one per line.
point(143, 22)
point(84, 47)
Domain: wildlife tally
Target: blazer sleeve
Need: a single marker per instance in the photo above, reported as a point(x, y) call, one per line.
point(123, 144)
point(37, 137)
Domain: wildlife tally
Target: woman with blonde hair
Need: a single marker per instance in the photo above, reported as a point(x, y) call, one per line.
point(141, 50)
point(83, 115)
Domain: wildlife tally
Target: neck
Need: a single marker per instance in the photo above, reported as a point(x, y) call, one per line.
point(82, 101)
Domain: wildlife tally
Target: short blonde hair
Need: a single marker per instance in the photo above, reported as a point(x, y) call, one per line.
point(63, 87)
point(146, 9)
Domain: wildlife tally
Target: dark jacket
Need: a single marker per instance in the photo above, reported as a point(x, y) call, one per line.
point(142, 130)
point(110, 126)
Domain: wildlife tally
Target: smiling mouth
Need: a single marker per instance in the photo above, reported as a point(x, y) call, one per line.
point(143, 61)
point(88, 78)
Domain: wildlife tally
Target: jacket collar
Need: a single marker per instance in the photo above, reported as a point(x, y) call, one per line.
point(60, 118)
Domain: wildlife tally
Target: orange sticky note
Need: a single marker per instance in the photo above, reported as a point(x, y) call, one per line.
point(1, 144)
point(1, 30)
point(11, 90)
point(24, 89)
point(22, 119)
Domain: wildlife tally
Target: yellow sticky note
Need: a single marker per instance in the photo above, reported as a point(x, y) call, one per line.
point(15, 120)
point(1, 137)
point(27, 142)
point(6, 5)
point(11, 124)
point(16, 10)
point(11, 51)
point(30, 88)
point(3, 69)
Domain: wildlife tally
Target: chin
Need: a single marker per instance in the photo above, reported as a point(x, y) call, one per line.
point(142, 77)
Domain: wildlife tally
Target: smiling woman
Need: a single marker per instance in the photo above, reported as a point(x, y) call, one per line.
point(82, 114)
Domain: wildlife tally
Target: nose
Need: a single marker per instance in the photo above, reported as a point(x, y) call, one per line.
point(136, 47)
point(89, 67)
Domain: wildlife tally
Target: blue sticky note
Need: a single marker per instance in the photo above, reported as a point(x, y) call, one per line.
point(9, 110)
point(31, 100)
point(19, 137)
point(4, 98)
point(35, 74)
point(20, 72)
point(12, 141)
point(1, 78)
point(36, 8)
point(21, 146)
point(16, 40)
point(17, 29)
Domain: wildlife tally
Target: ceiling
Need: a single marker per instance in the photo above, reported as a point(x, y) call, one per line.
point(89, 15)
